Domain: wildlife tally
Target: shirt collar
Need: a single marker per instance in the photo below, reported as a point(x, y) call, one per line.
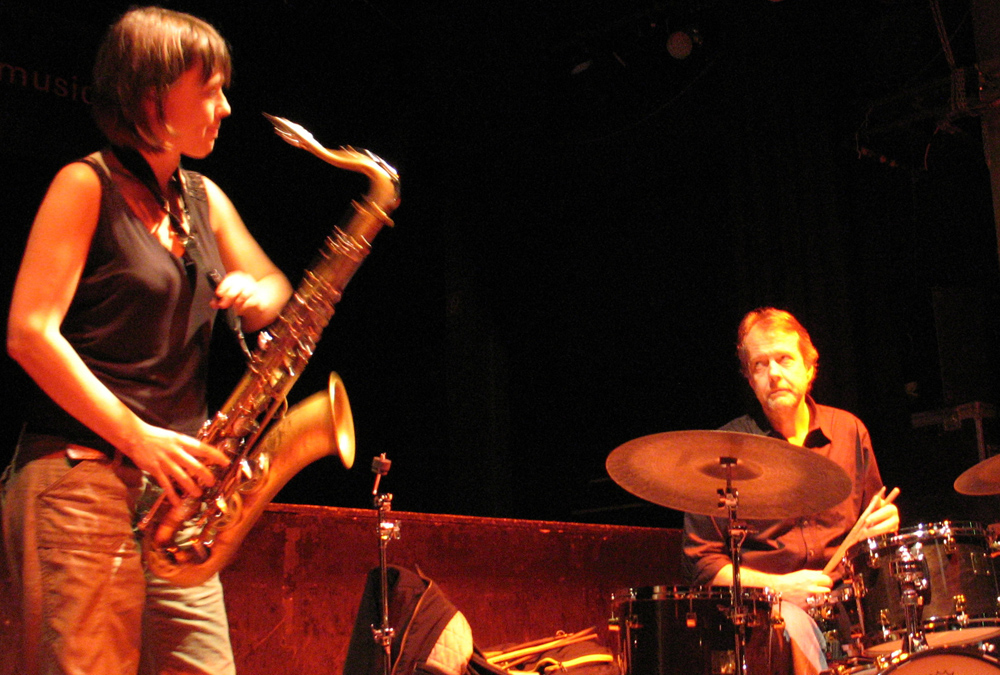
point(816, 438)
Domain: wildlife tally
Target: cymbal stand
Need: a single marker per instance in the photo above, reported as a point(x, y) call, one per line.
point(909, 568)
point(729, 498)
point(387, 530)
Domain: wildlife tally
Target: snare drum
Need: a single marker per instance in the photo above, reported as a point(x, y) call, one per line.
point(960, 604)
point(669, 630)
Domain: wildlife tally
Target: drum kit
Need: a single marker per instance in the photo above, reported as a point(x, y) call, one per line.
point(922, 601)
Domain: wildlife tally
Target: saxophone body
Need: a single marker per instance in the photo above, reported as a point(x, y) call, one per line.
point(187, 543)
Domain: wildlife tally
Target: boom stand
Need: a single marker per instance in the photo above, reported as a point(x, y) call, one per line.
point(386, 530)
point(729, 498)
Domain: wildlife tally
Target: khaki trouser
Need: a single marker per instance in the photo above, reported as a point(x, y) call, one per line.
point(88, 606)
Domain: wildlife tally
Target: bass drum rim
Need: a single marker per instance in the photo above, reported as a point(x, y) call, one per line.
point(905, 664)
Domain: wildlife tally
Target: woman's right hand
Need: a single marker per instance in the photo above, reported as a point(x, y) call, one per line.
point(178, 463)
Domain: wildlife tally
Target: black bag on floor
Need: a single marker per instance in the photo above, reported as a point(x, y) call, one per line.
point(430, 635)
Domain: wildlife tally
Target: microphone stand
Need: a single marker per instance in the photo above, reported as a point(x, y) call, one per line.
point(386, 530)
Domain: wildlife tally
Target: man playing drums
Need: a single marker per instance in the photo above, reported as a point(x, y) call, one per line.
point(788, 555)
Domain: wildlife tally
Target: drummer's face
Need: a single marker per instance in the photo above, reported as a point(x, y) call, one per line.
point(779, 375)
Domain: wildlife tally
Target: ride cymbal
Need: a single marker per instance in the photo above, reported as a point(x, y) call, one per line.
point(683, 470)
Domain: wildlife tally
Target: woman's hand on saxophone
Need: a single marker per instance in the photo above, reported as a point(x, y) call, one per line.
point(178, 463)
point(243, 293)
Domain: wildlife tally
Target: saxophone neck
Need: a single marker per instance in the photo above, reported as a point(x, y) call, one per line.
point(383, 191)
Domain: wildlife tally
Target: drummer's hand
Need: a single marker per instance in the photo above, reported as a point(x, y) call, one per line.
point(802, 588)
point(884, 519)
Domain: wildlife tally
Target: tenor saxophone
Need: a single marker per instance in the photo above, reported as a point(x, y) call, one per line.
point(267, 445)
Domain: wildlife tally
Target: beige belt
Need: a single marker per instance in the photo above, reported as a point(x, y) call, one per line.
point(74, 451)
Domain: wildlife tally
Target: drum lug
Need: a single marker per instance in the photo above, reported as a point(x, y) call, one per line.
point(632, 622)
point(948, 543)
point(872, 554)
point(860, 589)
point(960, 616)
point(884, 620)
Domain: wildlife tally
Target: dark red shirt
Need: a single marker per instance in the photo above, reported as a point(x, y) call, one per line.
point(789, 545)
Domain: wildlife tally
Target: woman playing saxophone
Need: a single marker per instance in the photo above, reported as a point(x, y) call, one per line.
point(128, 261)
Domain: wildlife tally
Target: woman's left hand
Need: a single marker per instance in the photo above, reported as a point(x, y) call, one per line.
point(240, 291)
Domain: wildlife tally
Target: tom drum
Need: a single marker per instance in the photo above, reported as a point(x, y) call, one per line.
point(959, 603)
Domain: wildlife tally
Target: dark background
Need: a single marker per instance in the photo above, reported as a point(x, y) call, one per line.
point(585, 219)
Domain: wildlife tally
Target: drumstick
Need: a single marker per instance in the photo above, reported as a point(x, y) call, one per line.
point(852, 536)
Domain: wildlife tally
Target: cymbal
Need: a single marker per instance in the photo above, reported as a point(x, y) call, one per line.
point(980, 480)
point(682, 470)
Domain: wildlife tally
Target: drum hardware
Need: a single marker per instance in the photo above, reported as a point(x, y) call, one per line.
point(873, 555)
point(691, 620)
point(885, 624)
point(729, 499)
point(937, 662)
point(949, 541)
point(671, 630)
point(833, 616)
point(387, 530)
point(909, 569)
point(958, 606)
point(960, 616)
point(682, 470)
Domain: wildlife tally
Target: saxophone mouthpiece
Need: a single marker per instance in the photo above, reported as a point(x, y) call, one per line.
point(292, 133)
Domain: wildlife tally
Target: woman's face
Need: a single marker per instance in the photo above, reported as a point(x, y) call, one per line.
point(193, 111)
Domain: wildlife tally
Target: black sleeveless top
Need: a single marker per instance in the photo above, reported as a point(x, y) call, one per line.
point(141, 317)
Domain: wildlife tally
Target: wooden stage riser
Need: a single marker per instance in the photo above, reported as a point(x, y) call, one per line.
point(292, 593)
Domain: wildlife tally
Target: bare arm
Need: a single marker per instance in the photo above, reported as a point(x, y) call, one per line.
point(46, 282)
point(253, 285)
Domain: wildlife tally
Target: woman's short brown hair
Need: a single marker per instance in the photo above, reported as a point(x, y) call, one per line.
point(143, 53)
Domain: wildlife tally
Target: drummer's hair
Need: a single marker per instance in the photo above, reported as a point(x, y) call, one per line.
point(774, 319)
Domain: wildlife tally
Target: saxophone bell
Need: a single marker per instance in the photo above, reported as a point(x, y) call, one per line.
point(319, 426)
